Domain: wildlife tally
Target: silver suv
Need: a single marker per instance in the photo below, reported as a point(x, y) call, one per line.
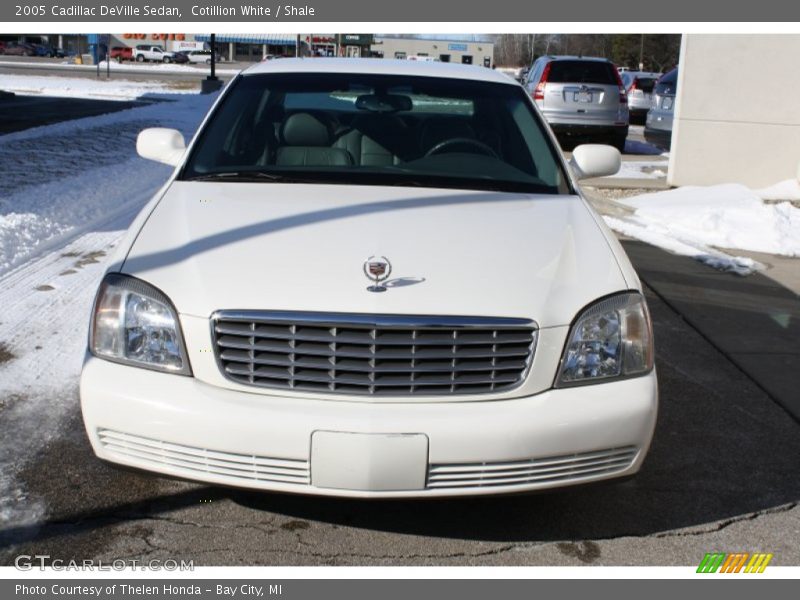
point(658, 126)
point(639, 86)
point(583, 99)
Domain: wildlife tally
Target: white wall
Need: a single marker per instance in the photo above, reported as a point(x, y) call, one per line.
point(737, 116)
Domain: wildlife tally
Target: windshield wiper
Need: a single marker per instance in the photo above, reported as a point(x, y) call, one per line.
point(248, 176)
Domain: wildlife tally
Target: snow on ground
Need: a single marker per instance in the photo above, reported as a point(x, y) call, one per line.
point(696, 221)
point(641, 169)
point(79, 87)
point(784, 190)
point(129, 67)
point(67, 194)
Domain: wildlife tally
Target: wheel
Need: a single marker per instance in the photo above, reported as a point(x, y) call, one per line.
point(208, 61)
point(618, 142)
point(139, 58)
point(167, 59)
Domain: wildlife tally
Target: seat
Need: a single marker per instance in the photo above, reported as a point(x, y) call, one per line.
point(374, 140)
point(306, 141)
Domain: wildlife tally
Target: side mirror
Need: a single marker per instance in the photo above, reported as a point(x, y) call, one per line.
point(595, 160)
point(161, 145)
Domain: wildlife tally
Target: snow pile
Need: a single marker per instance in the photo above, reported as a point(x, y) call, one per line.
point(641, 169)
point(78, 87)
point(784, 190)
point(694, 221)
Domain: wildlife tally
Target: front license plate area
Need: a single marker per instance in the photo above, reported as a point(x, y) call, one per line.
point(376, 462)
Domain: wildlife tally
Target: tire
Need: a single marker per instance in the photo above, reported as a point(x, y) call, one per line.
point(139, 58)
point(166, 59)
point(208, 61)
point(617, 141)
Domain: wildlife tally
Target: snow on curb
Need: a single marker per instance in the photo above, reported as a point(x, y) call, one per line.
point(125, 67)
point(694, 221)
point(75, 87)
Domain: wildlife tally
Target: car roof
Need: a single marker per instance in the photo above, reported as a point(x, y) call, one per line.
point(643, 73)
point(379, 66)
point(569, 57)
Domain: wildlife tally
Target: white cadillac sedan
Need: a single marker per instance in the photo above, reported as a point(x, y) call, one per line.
point(372, 278)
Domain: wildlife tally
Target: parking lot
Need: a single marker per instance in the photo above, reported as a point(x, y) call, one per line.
point(718, 478)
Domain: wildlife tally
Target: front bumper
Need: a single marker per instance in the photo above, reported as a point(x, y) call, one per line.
point(581, 132)
point(181, 427)
point(660, 138)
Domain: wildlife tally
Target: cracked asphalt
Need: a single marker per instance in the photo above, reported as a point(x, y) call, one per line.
point(721, 476)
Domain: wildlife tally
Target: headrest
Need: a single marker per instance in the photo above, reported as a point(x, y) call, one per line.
point(304, 129)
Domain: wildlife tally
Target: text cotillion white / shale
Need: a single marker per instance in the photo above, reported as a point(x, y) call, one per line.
point(252, 10)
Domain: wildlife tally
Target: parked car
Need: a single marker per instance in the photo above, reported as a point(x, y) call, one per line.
point(145, 53)
point(201, 56)
point(639, 87)
point(372, 279)
point(658, 126)
point(180, 57)
point(120, 53)
point(19, 49)
point(583, 99)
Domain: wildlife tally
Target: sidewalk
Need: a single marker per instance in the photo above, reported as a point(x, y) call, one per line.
point(754, 321)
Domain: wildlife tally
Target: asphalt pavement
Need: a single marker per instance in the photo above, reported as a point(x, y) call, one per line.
point(18, 113)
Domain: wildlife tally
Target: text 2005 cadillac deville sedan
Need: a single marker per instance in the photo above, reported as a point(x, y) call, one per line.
point(373, 279)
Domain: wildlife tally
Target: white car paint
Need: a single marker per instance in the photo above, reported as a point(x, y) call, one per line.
point(300, 247)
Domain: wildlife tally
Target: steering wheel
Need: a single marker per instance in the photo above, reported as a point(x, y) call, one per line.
point(477, 145)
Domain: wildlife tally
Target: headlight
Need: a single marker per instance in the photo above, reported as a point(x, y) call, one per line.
point(611, 338)
point(134, 323)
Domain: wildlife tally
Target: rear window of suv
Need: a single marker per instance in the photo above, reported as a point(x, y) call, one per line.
point(668, 84)
point(582, 71)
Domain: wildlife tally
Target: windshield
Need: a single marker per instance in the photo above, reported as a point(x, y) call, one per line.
point(377, 130)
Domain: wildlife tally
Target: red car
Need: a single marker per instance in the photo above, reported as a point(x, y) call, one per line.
point(120, 53)
point(19, 49)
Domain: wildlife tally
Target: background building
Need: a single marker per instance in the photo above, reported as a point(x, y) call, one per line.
point(736, 114)
point(457, 51)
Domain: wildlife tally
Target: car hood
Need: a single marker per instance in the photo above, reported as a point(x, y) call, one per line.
point(267, 246)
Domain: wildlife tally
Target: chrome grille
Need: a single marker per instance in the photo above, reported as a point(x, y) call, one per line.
point(373, 354)
point(538, 470)
point(191, 461)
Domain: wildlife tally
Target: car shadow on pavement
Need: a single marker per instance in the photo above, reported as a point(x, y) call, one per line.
point(722, 451)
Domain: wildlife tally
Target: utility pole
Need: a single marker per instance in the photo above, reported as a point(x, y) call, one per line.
point(641, 53)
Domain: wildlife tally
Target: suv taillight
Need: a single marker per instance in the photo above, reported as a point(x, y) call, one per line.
point(538, 93)
point(633, 85)
point(623, 97)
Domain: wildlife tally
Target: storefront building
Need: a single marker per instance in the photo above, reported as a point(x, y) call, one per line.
point(457, 51)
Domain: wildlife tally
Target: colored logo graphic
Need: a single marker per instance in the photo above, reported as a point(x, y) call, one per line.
point(744, 562)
